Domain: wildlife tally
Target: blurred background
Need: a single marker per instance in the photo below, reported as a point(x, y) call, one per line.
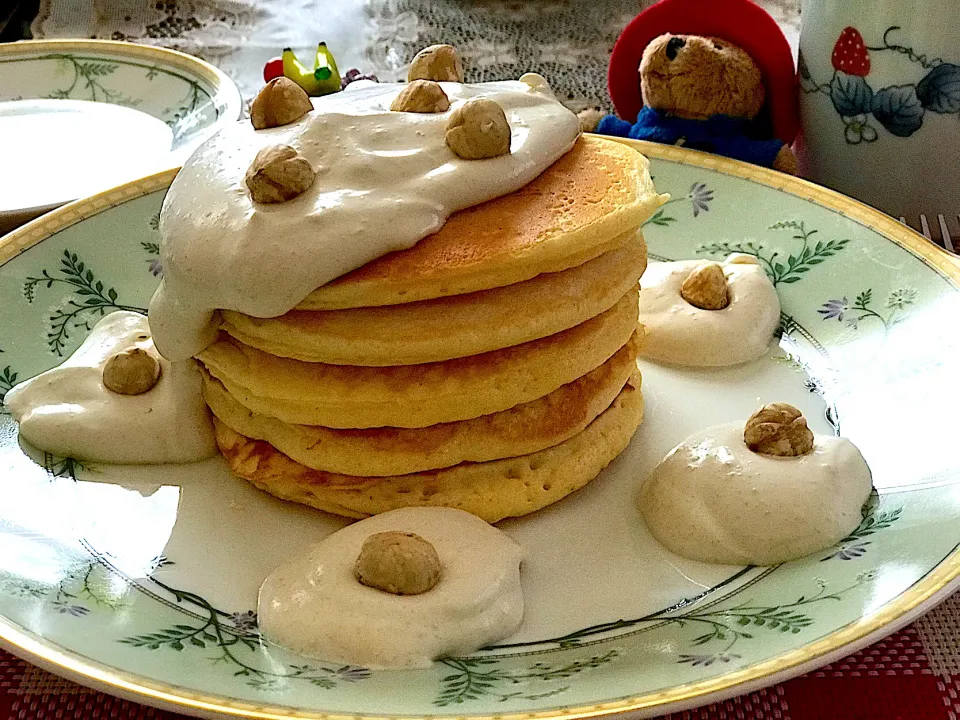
point(568, 41)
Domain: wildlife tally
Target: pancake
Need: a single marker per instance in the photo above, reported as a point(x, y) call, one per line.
point(410, 396)
point(573, 212)
point(491, 490)
point(521, 430)
point(452, 327)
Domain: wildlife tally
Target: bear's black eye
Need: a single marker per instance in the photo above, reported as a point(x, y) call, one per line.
point(674, 45)
point(718, 46)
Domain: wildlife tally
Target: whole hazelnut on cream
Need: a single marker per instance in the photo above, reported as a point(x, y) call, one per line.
point(778, 429)
point(478, 129)
point(437, 62)
point(421, 96)
point(133, 371)
point(280, 102)
point(278, 173)
point(399, 563)
point(706, 287)
point(763, 494)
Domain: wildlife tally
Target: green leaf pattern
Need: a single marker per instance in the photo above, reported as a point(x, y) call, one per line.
point(476, 678)
point(98, 80)
point(8, 378)
point(236, 642)
point(89, 300)
point(780, 269)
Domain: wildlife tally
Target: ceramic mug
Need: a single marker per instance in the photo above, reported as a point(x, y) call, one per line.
point(880, 102)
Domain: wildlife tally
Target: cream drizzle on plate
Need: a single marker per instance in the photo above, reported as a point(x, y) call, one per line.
point(682, 334)
point(314, 605)
point(384, 180)
point(67, 410)
point(713, 499)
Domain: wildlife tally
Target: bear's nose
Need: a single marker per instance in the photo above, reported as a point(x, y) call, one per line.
point(673, 45)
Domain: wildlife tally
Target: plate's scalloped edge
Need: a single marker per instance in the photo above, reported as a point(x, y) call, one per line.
point(932, 588)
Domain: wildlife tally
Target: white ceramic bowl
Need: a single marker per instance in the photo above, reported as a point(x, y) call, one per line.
point(80, 116)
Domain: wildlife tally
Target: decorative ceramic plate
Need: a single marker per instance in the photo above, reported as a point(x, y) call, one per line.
point(80, 116)
point(142, 580)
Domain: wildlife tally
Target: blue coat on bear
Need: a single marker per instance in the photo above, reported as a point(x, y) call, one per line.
point(719, 134)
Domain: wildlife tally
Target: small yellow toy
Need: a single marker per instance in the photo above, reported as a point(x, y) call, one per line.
point(323, 79)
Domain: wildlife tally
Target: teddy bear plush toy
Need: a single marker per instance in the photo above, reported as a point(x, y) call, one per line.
point(702, 93)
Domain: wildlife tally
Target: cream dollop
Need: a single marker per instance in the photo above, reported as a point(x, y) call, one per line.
point(315, 606)
point(67, 410)
point(713, 499)
point(681, 334)
point(384, 180)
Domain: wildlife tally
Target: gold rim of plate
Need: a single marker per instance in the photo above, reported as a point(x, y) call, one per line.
point(129, 685)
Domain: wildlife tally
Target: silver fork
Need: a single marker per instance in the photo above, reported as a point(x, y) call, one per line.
point(945, 240)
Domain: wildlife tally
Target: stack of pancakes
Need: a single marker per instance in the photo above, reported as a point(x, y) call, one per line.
point(491, 367)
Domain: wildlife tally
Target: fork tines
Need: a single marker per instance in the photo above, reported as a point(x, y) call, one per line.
point(941, 235)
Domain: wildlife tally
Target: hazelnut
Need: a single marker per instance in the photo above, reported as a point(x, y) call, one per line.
point(278, 173)
point(706, 287)
point(437, 62)
point(778, 429)
point(478, 129)
point(133, 371)
point(741, 259)
point(280, 102)
point(535, 81)
point(421, 96)
point(589, 119)
point(400, 563)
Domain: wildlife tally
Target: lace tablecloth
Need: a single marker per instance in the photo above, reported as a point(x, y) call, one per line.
point(913, 674)
point(568, 41)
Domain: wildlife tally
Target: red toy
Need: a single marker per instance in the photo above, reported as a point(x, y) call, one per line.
point(737, 21)
point(273, 69)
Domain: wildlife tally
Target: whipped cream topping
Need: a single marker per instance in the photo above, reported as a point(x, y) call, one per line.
point(384, 180)
point(713, 499)
point(683, 334)
point(67, 410)
point(315, 606)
